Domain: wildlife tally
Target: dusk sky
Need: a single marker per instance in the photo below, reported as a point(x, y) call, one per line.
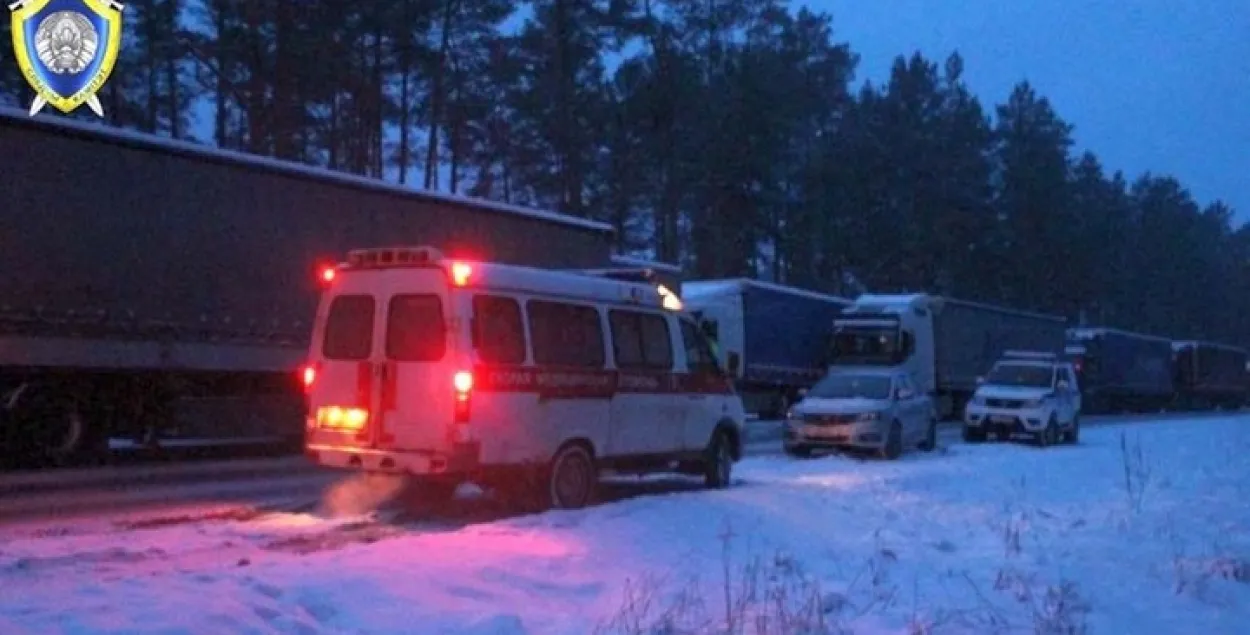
point(1159, 85)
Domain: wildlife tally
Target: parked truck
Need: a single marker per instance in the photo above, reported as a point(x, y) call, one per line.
point(163, 290)
point(776, 334)
point(1209, 375)
point(1121, 371)
point(945, 344)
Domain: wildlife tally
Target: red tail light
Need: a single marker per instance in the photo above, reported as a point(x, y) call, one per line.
point(463, 384)
point(308, 376)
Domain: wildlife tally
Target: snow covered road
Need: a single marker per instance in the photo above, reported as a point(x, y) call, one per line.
point(1140, 529)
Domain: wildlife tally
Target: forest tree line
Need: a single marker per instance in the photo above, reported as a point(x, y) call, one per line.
point(730, 136)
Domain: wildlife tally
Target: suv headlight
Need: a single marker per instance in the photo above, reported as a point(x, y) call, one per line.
point(977, 400)
point(1035, 403)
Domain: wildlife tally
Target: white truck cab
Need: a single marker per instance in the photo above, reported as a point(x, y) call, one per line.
point(453, 371)
point(1026, 393)
point(942, 342)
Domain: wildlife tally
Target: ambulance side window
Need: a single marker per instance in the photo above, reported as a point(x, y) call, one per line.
point(641, 340)
point(499, 335)
point(567, 335)
point(699, 356)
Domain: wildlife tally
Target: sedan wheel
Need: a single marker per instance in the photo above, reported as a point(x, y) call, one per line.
point(930, 441)
point(893, 443)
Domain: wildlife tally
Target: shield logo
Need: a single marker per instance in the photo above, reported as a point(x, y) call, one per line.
point(66, 49)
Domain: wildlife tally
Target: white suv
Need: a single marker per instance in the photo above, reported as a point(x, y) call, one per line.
point(1034, 395)
point(511, 377)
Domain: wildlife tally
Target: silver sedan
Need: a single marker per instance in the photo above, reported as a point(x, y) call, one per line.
point(876, 409)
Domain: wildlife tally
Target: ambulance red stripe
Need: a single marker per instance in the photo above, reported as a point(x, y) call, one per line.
point(594, 384)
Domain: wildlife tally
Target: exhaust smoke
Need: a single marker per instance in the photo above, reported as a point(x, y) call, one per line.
point(361, 494)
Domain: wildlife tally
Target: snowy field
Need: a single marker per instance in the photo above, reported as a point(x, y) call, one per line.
point(1141, 529)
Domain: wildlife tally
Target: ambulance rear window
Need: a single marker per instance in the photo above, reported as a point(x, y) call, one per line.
point(415, 330)
point(349, 328)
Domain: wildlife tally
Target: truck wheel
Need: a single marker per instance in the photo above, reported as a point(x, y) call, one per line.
point(572, 478)
point(798, 451)
point(973, 435)
point(50, 425)
point(718, 466)
point(893, 442)
point(782, 405)
point(930, 441)
point(66, 431)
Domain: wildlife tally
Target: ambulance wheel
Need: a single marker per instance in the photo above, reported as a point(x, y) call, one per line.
point(719, 465)
point(572, 478)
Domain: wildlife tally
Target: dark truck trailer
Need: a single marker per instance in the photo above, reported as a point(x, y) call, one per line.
point(971, 336)
point(152, 285)
point(632, 269)
point(945, 344)
point(777, 333)
point(1209, 375)
point(1120, 371)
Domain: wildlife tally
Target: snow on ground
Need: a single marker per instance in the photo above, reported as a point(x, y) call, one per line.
point(1147, 532)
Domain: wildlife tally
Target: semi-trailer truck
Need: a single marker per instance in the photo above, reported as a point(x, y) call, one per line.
point(945, 344)
point(1121, 371)
point(1209, 375)
point(775, 333)
point(159, 289)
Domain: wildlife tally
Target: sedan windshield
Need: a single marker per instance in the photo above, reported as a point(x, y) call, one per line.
point(841, 386)
point(1022, 375)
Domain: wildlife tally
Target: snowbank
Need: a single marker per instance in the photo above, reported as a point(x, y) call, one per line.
point(1140, 529)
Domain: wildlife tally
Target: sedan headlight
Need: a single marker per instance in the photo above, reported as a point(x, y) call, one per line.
point(977, 400)
point(868, 416)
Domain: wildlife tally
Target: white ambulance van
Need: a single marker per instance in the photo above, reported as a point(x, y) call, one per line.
point(452, 371)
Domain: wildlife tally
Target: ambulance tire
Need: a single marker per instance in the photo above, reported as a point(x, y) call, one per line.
point(572, 478)
point(718, 466)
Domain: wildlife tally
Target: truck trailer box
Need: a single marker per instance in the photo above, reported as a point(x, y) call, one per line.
point(1115, 361)
point(136, 236)
point(969, 337)
point(779, 333)
point(1210, 371)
